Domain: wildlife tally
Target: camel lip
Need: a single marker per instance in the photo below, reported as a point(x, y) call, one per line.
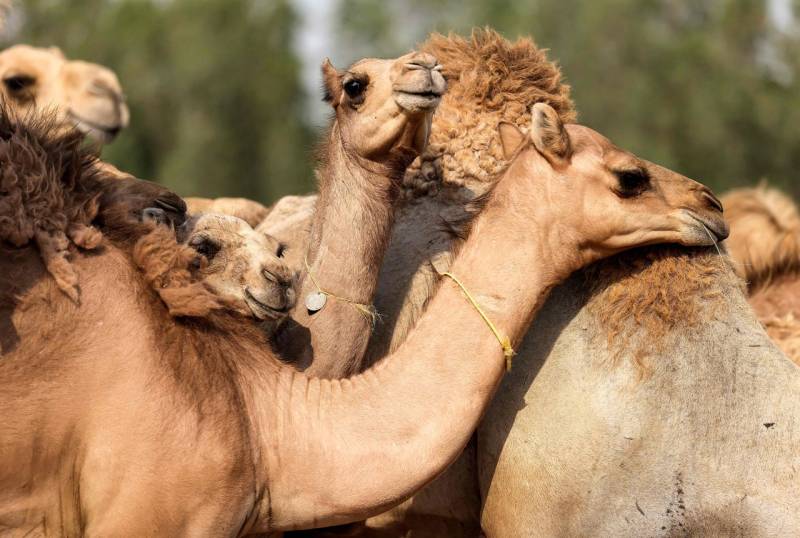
point(260, 310)
point(718, 227)
point(108, 133)
point(430, 92)
point(415, 101)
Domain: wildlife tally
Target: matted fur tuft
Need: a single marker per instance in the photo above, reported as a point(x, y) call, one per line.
point(53, 191)
point(165, 265)
point(490, 79)
point(640, 297)
point(46, 194)
point(765, 234)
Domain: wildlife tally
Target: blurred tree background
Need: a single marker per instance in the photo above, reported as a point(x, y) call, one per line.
point(219, 105)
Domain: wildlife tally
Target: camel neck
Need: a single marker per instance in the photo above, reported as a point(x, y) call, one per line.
point(349, 236)
point(433, 390)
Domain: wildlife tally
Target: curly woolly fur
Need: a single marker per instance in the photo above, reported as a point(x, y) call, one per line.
point(50, 187)
point(489, 80)
point(765, 234)
point(53, 194)
point(47, 192)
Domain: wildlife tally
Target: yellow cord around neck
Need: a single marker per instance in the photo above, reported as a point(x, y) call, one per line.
point(505, 343)
point(368, 310)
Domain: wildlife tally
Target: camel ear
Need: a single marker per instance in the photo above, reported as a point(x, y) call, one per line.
point(549, 135)
point(331, 83)
point(511, 137)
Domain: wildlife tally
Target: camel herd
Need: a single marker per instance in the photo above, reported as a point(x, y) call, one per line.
point(338, 364)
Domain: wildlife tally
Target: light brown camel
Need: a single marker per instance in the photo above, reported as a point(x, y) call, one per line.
point(249, 211)
point(765, 244)
point(121, 420)
point(224, 264)
point(383, 111)
point(81, 94)
point(659, 362)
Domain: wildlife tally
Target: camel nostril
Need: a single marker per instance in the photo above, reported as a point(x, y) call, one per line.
point(711, 200)
point(422, 61)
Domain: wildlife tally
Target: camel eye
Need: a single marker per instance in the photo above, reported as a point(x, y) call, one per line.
point(632, 182)
point(281, 250)
point(205, 247)
point(353, 88)
point(18, 83)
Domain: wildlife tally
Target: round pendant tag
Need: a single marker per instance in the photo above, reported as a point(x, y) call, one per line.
point(315, 301)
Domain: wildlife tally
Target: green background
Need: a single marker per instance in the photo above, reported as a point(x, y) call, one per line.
point(218, 106)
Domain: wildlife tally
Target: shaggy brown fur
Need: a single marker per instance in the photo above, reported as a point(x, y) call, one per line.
point(165, 265)
point(41, 199)
point(53, 191)
point(637, 311)
point(765, 234)
point(490, 80)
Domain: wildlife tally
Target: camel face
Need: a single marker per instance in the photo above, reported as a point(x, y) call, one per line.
point(625, 201)
point(383, 105)
point(85, 95)
point(240, 265)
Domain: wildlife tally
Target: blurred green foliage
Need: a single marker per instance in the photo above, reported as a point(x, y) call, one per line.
point(213, 86)
point(706, 87)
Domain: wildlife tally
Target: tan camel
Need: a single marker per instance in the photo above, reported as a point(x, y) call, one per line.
point(383, 111)
point(249, 211)
point(81, 94)
point(765, 243)
point(551, 456)
point(226, 265)
point(144, 425)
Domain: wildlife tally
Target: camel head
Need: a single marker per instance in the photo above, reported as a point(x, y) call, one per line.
point(82, 94)
point(623, 200)
point(240, 266)
point(384, 105)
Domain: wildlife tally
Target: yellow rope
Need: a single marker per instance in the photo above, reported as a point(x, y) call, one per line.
point(505, 343)
point(367, 310)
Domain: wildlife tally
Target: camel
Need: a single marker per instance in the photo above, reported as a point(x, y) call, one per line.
point(123, 420)
point(765, 242)
point(83, 94)
point(250, 211)
point(636, 359)
point(80, 94)
point(226, 263)
point(383, 111)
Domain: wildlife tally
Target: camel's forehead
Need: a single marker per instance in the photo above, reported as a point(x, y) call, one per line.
point(27, 59)
point(228, 228)
point(220, 223)
point(367, 65)
point(586, 139)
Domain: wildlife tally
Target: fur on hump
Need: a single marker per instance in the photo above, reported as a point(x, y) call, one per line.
point(765, 234)
point(641, 297)
point(489, 79)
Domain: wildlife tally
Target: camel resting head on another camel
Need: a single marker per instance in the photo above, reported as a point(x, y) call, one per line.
point(229, 266)
point(81, 94)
